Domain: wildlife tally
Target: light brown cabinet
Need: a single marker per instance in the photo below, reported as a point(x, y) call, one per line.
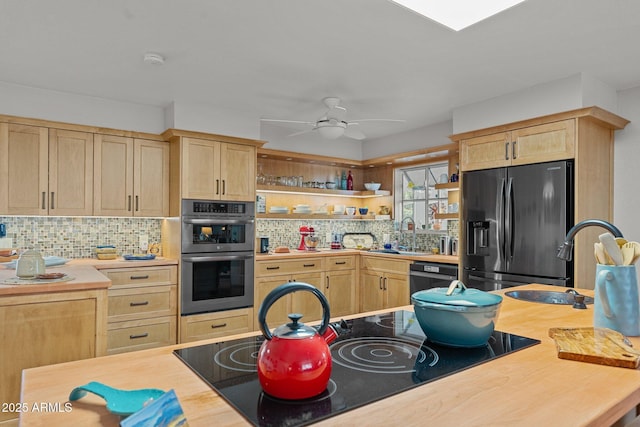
point(271, 274)
point(214, 170)
point(384, 283)
point(45, 171)
point(211, 325)
point(533, 144)
point(44, 329)
point(341, 285)
point(142, 309)
point(131, 176)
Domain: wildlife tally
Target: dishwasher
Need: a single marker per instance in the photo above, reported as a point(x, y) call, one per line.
point(427, 275)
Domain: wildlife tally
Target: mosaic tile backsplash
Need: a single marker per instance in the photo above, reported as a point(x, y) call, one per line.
point(77, 237)
point(284, 232)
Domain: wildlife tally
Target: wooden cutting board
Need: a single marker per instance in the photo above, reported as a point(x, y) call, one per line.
point(595, 345)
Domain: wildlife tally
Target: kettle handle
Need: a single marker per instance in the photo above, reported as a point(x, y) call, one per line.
point(281, 291)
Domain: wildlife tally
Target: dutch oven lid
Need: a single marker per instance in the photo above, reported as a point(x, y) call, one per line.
point(457, 294)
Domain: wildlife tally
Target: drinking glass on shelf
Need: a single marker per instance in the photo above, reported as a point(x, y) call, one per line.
point(260, 178)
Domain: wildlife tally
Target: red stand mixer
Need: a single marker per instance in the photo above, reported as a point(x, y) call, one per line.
point(308, 242)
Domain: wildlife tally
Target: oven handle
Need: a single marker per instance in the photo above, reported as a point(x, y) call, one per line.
point(200, 221)
point(195, 259)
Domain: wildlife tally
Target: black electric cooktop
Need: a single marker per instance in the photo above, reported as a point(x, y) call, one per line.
point(382, 355)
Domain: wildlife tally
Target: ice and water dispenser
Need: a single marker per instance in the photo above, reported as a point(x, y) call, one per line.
point(478, 237)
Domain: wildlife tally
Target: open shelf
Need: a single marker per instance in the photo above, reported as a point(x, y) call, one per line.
point(313, 216)
point(448, 186)
point(320, 191)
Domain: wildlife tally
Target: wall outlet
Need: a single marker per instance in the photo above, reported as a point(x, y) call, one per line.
point(143, 241)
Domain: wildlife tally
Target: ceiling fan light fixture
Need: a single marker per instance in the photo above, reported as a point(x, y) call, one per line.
point(331, 129)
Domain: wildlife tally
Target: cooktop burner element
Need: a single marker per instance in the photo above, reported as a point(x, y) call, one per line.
point(381, 356)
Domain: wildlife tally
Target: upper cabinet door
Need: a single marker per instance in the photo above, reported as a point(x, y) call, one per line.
point(113, 176)
point(151, 178)
point(238, 172)
point(485, 152)
point(70, 172)
point(23, 170)
point(200, 169)
point(544, 143)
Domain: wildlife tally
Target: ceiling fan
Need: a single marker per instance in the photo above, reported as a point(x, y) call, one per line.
point(332, 124)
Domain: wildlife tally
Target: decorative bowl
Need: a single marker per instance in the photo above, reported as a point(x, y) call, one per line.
point(363, 211)
point(372, 186)
point(330, 185)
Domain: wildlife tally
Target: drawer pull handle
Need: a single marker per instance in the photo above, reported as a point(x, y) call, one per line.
point(146, 276)
point(273, 268)
point(136, 304)
point(341, 262)
point(308, 265)
point(133, 337)
point(218, 326)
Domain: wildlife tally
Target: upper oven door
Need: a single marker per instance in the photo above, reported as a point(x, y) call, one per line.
point(217, 234)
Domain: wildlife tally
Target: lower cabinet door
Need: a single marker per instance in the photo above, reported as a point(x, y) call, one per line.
point(372, 291)
point(340, 290)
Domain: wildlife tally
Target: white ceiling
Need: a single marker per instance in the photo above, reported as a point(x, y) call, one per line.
point(279, 58)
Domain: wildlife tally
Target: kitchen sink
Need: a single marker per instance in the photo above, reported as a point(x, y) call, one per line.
point(548, 297)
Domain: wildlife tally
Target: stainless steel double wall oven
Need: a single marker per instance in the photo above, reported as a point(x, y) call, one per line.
point(218, 241)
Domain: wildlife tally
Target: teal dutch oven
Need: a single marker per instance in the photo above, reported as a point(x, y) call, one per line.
point(456, 316)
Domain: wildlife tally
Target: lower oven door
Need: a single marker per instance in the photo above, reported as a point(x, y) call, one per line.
point(216, 281)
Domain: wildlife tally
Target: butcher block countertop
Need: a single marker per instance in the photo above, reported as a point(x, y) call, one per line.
point(294, 253)
point(85, 277)
point(531, 387)
point(84, 271)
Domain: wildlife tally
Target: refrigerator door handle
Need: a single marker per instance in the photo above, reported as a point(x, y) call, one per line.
point(508, 220)
point(500, 200)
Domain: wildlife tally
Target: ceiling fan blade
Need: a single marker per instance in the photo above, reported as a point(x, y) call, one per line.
point(288, 121)
point(354, 133)
point(301, 132)
point(354, 122)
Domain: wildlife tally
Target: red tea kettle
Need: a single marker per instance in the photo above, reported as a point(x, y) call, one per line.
point(295, 361)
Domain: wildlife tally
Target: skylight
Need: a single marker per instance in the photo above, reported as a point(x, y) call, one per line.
point(457, 14)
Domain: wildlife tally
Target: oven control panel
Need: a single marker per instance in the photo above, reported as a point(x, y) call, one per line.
point(195, 207)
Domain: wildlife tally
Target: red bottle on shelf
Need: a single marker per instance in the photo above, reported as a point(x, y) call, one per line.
point(349, 182)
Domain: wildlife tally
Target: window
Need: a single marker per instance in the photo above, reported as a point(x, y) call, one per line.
point(416, 196)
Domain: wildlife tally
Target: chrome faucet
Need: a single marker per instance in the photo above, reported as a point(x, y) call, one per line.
point(413, 237)
point(565, 250)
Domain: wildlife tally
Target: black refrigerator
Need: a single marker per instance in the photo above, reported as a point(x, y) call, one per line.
point(515, 218)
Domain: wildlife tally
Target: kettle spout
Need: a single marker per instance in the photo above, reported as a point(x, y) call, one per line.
point(334, 330)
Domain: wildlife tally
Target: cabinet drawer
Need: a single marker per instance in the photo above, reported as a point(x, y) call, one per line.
point(272, 268)
point(346, 262)
point(140, 334)
point(127, 304)
point(211, 325)
point(385, 264)
point(143, 276)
